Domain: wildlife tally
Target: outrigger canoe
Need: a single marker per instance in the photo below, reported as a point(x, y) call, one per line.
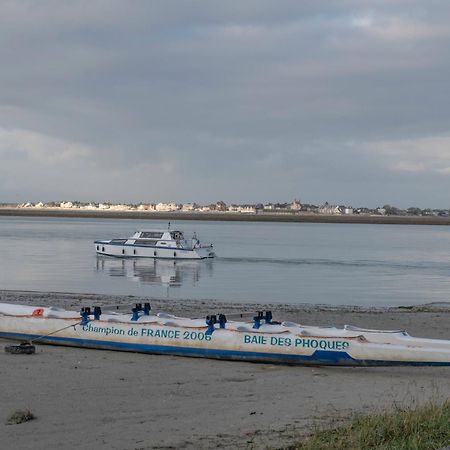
point(261, 340)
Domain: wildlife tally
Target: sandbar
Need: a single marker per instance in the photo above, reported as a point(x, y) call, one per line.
point(302, 217)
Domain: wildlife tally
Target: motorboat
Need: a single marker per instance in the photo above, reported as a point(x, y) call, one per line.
point(164, 244)
point(259, 340)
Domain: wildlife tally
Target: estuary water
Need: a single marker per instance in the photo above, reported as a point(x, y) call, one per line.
point(334, 264)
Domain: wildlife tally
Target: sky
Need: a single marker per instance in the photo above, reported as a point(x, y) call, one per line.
point(241, 101)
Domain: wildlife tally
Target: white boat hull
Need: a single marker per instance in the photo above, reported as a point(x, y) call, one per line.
point(164, 334)
point(140, 251)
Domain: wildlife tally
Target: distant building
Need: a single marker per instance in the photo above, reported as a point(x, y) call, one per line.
point(329, 209)
point(247, 209)
point(363, 211)
point(310, 208)
point(89, 206)
point(120, 207)
point(189, 207)
point(146, 207)
point(242, 208)
point(346, 209)
point(171, 206)
point(221, 206)
point(281, 206)
point(296, 205)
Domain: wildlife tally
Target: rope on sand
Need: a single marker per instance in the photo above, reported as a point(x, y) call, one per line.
point(27, 348)
point(54, 332)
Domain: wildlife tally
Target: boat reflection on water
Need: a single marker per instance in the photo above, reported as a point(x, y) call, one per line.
point(156, 271)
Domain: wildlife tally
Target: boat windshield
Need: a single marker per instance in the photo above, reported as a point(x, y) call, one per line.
point(151, 235)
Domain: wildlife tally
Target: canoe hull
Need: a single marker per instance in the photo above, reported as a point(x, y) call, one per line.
point(168, 336)
point(318, 358)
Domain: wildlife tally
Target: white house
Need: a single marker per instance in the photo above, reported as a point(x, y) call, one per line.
point(247, 209)
point(89, 206)
point(188, 207)
point(171, 206)
point(242, 208)
point(146, 207)
point(329, 209)
point(119, 207)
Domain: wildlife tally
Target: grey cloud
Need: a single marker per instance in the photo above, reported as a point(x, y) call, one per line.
point(244, 101)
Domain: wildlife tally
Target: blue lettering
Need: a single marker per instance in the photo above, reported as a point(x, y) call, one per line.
point(255, 339)
point(146, 332)
point(286, 342)
point(311, 343)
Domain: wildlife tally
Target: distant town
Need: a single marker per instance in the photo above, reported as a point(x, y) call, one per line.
point(294, 207)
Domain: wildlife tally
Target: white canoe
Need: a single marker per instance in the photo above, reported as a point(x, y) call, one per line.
point(284, 342)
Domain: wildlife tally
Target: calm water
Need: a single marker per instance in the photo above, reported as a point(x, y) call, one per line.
point(264, 262)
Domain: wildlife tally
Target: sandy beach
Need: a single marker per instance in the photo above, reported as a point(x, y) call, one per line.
point(104, 399)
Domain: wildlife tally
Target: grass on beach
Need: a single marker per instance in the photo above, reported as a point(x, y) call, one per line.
point(413, 428)
point(20, 416)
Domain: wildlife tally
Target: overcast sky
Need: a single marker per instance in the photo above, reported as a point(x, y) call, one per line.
point(242, 101)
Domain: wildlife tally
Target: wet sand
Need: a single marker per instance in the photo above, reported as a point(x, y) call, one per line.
point(104, 399)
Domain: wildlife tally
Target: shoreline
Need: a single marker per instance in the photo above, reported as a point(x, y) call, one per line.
point(73, 299)
point(132, 400)
point(227, 216)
